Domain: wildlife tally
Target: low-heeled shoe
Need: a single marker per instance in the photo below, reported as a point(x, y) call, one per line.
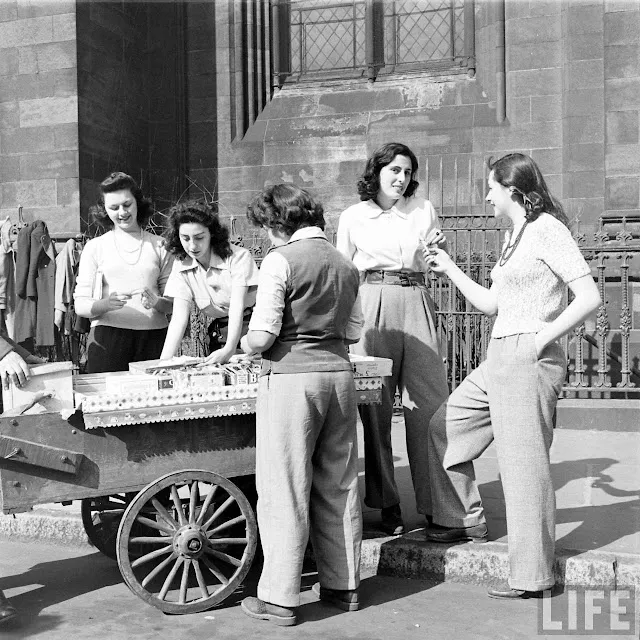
point(7, 611)
point(345, 599)
point(261, 610)
point(475, 533)
point(507, 593)
point(391, 520)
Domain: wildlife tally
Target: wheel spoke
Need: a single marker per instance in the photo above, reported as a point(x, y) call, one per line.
point(227, 524)
point(177, 503)
point(157, 569)
point(154, 525)
point(194, 498)
point(219, 511)
point(200, 578)
point(164, 514)
point(169, 578)
point(216, 572)
point(119, 500)
point(150, 556)
point(207, 503)
point(184, 583)
point(228, 540)
point(223, 556)
point(151, 540)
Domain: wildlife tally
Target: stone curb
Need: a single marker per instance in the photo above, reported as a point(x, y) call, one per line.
point(408, 556)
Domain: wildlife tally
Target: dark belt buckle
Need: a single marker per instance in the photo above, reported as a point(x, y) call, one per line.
point(405, 281)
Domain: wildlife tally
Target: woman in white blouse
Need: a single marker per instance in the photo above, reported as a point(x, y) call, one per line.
point(383, 235)
point(219, 277)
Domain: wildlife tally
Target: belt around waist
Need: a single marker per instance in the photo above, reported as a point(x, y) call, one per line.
point(223, 322)
point(402, 278)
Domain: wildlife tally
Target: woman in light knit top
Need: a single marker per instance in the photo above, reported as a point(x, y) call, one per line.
point(511, 397)
point(383, 235)
point(121, 281)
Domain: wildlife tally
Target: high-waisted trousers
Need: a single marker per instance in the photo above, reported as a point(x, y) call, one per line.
point(510, 399)
point(400, 325)
point(307, 481)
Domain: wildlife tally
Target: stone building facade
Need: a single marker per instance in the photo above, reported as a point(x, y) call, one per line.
point(181, 96)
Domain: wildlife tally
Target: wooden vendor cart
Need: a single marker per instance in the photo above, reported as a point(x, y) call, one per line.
point(159, 485)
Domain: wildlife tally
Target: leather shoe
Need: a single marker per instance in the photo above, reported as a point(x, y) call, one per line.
point(345, 599)
point(391, 520)
point(261, 610)
point(7, 610)
point(507, 593)
point(475, 533)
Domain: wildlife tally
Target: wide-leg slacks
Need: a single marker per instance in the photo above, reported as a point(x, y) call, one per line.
point(400, 325)
point(509, 399)
point(307, 481)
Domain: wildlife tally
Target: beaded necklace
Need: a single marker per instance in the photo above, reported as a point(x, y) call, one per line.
point(138, 249)
point(511, 246)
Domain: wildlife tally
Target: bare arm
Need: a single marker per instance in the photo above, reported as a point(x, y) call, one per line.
point(257, 341)
point(236, 311)
point(483, 299)
point(177, 327)
point(586, 300)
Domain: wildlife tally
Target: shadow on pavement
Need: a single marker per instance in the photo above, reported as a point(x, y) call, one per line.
point(57, 581)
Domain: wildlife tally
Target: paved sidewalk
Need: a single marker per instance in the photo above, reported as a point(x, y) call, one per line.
point(597, 480)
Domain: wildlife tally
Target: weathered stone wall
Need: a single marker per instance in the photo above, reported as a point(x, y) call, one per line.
point(572, 103)
point(39, 112)
point(622, 106)
point(113, 107)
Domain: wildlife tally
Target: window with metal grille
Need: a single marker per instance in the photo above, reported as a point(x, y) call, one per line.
point(317, 39)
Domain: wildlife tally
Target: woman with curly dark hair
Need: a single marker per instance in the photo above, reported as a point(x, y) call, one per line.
point(383, 235)
point(219, 277)
point(307, 311)
point(121, 280)
point(510, 399)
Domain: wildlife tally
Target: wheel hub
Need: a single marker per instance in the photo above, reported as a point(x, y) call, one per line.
point(190, 541)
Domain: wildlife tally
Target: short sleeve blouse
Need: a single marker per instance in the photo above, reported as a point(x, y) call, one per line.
point(210, 288)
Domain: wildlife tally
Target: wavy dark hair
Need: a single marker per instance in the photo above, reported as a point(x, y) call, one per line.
point(521, 173)
point(117, 181)
point(286, 208)
point(196, 212)
point(369, 183)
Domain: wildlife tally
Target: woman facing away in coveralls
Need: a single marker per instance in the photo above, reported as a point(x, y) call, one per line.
point(307, 312)
point(511, 397)
point(383, 236)
point(218, 276)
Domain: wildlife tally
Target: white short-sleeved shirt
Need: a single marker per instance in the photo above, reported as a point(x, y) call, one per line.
point(386, 240)
point(531, 285)
point(211, 288)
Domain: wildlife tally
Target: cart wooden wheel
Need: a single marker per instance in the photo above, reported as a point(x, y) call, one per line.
point(202, 544)
point(101, 518)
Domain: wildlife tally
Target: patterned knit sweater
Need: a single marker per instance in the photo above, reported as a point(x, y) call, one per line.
point(531, 286)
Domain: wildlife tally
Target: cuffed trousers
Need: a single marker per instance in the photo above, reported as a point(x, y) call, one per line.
point(400, 325)
point(509, 399)
point(307, 481)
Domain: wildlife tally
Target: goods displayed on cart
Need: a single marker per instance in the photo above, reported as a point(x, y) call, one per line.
point(163, 390)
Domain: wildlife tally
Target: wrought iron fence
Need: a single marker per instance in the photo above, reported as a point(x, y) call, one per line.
point(604, 352)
